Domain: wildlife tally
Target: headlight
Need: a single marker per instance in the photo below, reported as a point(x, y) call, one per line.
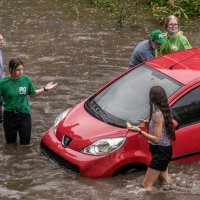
point(59, 118)
point(104, 146)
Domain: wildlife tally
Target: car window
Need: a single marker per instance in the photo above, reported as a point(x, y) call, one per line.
point(187, 110)
point(128, 99)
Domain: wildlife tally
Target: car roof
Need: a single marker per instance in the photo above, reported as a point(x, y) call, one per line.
point(183, 66)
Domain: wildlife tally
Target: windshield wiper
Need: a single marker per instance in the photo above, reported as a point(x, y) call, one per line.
point(113, 123)
point(98, 111)
point(100, 114)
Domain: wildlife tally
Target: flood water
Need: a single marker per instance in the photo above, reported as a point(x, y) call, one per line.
point(71, 43)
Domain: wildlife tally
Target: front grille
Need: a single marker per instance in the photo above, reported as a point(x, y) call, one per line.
point(61, 161)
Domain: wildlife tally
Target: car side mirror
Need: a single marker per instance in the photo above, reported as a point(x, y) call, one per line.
point(176, 124)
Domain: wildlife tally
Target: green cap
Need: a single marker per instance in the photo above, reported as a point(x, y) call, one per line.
point(157, 36)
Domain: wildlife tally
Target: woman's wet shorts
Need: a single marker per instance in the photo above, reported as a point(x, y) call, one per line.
point(161, 156)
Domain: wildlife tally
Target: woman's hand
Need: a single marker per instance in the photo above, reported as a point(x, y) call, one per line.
point(50, 86)
point(142, 122)
point(132, 128)
point(129, 125)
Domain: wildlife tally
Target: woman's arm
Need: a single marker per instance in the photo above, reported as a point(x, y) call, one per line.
point(157, 131)
point(48, 87)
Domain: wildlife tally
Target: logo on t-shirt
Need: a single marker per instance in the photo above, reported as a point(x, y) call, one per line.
point(22, 90)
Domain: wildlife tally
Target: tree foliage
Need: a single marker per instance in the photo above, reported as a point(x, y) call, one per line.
point(181, 8)
point(123, 10)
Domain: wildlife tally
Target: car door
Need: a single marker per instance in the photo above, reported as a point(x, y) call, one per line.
point(186, 111)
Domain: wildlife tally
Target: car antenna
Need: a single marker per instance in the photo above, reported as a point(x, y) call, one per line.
point(182, 60)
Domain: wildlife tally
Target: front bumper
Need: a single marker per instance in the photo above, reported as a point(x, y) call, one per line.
point(77, 162)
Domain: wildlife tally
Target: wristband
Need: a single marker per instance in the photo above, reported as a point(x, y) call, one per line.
point(45, 89)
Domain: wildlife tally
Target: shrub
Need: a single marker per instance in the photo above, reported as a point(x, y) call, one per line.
point(124, 11)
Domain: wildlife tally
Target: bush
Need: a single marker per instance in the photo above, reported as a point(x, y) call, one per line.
point(181, 8)
point(125, 11)
point(121, 10)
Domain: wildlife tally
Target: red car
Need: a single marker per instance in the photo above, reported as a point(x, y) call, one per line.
point(91, 139)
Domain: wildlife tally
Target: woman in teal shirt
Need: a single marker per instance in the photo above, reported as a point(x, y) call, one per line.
point(15, 90)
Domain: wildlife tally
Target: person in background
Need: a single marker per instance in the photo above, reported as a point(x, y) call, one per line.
point(145, 50)
point(1, 75)
point(15, 90)
point(161, 131)
point(175, 40)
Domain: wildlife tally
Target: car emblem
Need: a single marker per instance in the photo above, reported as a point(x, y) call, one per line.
point(66, 141)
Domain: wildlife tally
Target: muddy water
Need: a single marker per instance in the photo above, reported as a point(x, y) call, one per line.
point(71, 43)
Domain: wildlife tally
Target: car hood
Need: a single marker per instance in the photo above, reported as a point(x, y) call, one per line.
point(84, 129)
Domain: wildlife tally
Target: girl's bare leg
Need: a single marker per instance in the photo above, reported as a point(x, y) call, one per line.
point(150, 178)
point(164, 176)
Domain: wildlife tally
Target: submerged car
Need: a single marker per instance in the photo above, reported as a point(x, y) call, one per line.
point(91, 139)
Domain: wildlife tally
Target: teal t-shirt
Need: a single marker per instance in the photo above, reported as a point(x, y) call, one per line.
point(15, 93)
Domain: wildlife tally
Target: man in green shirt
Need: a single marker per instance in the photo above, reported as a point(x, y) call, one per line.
point(15, 90)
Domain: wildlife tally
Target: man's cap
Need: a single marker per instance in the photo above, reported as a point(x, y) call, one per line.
point(157, 36)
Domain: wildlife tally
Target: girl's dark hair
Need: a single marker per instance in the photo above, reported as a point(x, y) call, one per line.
point(157, 96)
point(14, 63)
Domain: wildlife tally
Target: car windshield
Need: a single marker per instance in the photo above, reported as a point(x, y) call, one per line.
point(127, 99)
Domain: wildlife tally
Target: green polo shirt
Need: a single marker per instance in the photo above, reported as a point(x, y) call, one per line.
point(15, 93)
